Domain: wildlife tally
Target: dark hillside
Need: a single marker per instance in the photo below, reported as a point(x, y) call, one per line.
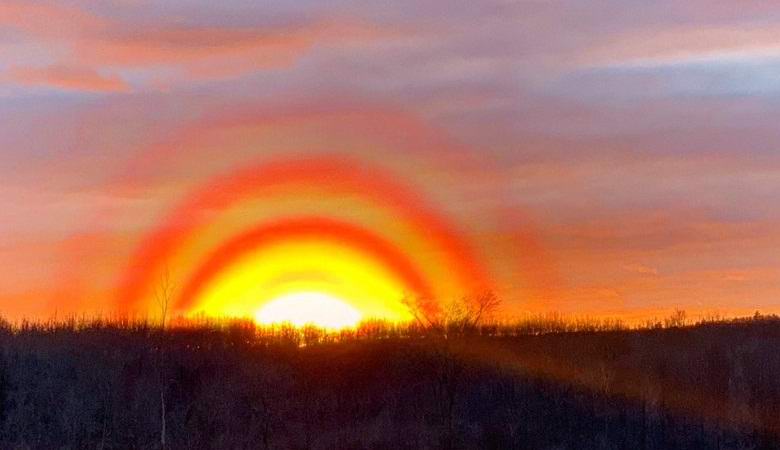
point(104, 386)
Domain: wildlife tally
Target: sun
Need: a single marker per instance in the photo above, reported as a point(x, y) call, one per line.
point(304, 281)
point(309, 308)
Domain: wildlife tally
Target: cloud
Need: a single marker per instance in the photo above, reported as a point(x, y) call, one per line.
point(95, 52)
point(208, 51)
point(67, 78)
point(47, 20)
point(653, 47)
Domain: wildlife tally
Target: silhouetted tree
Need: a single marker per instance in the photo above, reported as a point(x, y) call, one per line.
point(677, 319)
point(458, 316)
point(164, 293)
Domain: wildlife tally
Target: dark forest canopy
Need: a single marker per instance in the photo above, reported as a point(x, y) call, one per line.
point(112, 385)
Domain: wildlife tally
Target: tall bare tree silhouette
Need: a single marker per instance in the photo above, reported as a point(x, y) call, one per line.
point(164, 293)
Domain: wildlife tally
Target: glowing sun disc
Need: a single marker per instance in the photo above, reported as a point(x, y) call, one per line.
point(308, 308)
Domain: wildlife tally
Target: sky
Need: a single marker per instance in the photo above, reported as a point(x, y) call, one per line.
point(602, 158)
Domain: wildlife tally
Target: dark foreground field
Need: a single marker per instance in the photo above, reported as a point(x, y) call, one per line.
point(124, 386)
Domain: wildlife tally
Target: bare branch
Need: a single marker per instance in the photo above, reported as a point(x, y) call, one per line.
point(421, 313)
point(163, 295)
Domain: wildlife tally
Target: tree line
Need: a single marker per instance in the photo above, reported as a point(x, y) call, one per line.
point(120, 384)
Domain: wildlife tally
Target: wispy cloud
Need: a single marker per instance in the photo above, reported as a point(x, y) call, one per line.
point(68, 78)
point(679, 45)
point(105, 53)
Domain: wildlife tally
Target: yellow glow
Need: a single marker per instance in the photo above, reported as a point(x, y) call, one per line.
point(308, 308)
point(289, 278)
point(432, 263)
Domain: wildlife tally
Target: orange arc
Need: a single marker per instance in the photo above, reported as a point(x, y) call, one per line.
point(337, 174)
point(317, 227)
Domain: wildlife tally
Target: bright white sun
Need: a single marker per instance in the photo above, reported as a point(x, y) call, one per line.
point(308, 308)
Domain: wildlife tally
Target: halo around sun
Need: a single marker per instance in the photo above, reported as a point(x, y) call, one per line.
point(324, 241)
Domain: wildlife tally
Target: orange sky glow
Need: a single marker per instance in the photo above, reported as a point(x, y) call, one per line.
point(357, 153)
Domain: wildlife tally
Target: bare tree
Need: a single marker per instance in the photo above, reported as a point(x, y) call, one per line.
point(163, 295)
point(422, 311)
point(678, 319)
point(480, 307)
point(454, 319)
point(458, 316)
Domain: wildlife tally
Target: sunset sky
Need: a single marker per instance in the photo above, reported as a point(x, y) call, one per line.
point(603, 158)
